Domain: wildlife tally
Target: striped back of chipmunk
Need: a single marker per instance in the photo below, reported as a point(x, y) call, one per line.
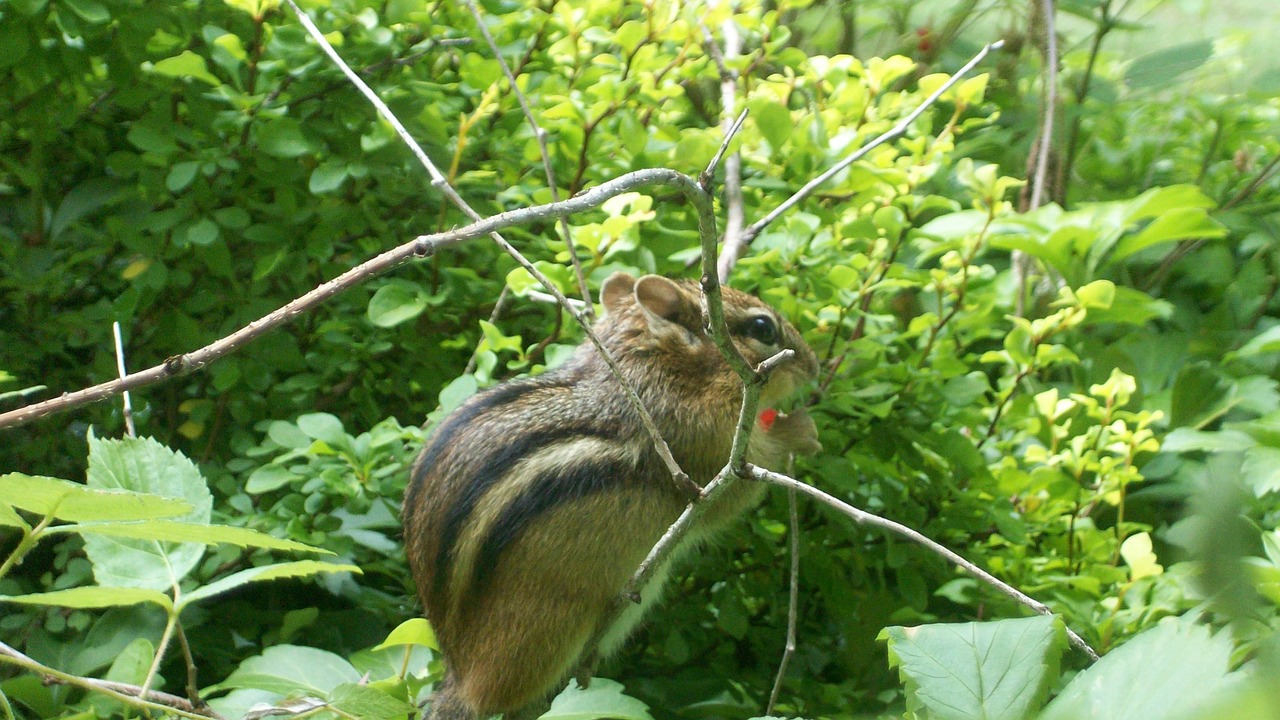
point(500, 465)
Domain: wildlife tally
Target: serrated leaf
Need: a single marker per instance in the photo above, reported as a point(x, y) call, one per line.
point(991, 670)
point(296, 569)
point(415, 631)
point(144, 465)
point(75, 502)
point(604, 699)
point(85, 598)
point(1261, 470)
point(1167, 672)
point(291, 669)
point(191, 532)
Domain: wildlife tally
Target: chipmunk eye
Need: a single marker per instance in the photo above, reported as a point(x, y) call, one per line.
point(761, 328)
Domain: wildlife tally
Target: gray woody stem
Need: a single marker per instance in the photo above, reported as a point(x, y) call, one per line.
point(865, 518)
point(419, 247)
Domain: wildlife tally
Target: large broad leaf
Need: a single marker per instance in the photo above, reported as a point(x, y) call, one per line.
point(291, 669)
point(362, 701)
point(66, 500)
point(1182, 223)
point(1160, 68)
point(1172, 671)
point(988, 670)
point(144, 465)
point(604, 699)
point(300, 568)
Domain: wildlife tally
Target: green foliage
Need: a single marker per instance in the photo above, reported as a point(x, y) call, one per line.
point(1102, 435)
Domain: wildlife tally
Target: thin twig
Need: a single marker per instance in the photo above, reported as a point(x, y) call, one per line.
point(541, 136)
point(498, 307)
point(865, 518)
point(732, 245)
point(129, 694)
point(897, 130)
point(793, 600)
point(128, 406)
point(1050, 104)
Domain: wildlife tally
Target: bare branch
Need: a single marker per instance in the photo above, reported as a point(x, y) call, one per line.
point(1045, 142)
point(865, 518)
point(421, 246)
point(793, 601)
point(131, 695)
point(733, 244)
point(751, 232)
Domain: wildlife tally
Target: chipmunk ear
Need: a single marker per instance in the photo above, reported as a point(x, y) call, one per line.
point(661, 297)
point(615, 290)
point(665, 303)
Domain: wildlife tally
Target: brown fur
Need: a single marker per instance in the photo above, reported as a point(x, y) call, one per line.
point(512, 630)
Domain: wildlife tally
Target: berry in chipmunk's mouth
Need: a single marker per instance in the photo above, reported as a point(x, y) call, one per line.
point(766, 418)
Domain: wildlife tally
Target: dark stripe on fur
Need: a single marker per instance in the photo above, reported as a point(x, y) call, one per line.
point(550, 490)
point(491, 470)
point(458, 419)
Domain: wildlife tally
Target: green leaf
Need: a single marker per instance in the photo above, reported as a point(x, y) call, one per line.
point(323, 426)
point(1265, 342)
point(1172, 226)
point(191, 532)
point(327, 177)
point(283, 137)
point(774, 120)
point(1160, 68)
point(604, 699)
point(181, 175)
point(203, 232)
point(133, 663)
point(186, 65)
point(269, 477)
point(66, 500)
point(1261, 470)
point(990, 670)
point(91, 11)
point(296, 569)
point(1188, 440)
point(9, 518)
point(144, 465)
point(415, 631)
point(395, 303)
point(85, 598)
point(1169, 672)
point(291, 669)
point(362, 701)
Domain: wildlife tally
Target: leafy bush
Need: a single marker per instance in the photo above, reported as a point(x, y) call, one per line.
point(1099, 432)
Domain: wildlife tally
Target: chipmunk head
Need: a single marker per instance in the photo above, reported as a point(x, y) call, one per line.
point(659, 316)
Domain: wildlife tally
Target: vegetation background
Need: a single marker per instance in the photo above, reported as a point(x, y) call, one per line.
point(1099, 431)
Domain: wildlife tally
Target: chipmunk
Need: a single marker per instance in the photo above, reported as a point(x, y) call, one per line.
point(535, 501)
